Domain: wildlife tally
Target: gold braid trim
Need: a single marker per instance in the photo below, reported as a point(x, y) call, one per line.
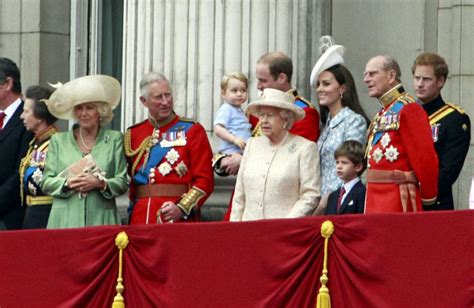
point(144, 148)
point(190, 199)
point(324, 300)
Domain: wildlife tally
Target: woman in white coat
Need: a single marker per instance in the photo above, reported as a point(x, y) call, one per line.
point(279, 173)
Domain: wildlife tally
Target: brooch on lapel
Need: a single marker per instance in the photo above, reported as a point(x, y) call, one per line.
point(292, 148)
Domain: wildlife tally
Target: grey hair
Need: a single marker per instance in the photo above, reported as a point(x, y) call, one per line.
point(289, 116)
point(390, 63)
point(148, 79)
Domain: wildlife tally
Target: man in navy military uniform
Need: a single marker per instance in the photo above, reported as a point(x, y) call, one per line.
point(450, 125)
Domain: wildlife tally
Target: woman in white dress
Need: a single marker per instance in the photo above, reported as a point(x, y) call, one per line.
point(279, 173)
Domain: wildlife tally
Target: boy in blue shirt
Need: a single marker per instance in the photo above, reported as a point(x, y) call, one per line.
point(231, 124)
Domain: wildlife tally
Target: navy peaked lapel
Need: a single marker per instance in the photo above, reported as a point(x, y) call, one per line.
point(12, 123)
point(351, 200)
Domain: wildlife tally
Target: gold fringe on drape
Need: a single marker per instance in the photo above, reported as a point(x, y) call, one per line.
point(324, 300)
point(121, 241)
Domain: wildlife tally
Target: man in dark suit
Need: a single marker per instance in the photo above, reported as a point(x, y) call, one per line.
point(450, 125)
point(14, 140)
point(350, 197)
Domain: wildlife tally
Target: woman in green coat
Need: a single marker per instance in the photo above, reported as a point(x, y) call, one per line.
point(85, 167)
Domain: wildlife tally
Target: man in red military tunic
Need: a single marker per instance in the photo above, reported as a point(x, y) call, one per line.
point(169, 160)
point(402, 162)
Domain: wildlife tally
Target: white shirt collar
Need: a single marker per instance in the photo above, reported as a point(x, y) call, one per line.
point(348, 186)
point(10, 111)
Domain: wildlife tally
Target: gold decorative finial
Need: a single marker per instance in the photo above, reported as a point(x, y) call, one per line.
point(121, 241)
point(323, 299)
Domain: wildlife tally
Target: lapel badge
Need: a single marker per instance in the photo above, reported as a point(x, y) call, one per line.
point(391, 154)
point(181, 169)
point(464, 127)
point(164, 168)
point(172, 156)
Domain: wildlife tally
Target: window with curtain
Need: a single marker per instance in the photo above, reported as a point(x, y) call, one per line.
point(111, 46)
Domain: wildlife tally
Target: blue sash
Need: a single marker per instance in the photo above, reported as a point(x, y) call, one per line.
point(395, 109)
point(300, 103)
point(157, 153)
point(28, 172)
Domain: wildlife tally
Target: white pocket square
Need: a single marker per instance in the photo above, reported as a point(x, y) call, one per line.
point(351, 203)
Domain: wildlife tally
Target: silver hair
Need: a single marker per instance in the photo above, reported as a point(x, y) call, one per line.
point(289, 117)
point(390, 63)
point(148, 79)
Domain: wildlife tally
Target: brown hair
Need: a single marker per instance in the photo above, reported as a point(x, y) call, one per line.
point(354, 151)
point(278, 62)
point(349, 98)
point(438, 63)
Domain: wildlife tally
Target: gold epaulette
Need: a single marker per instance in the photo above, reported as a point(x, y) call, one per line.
point(189, 120)
point(456, 107)
point(190, 199)
point(406, 99)
point(143, 148)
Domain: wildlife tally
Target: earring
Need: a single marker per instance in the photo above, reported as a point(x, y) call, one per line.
point(342, 94)
point(285, 125)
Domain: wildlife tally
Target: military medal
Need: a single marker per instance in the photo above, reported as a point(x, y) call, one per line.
point(172, 156)
point(174, 138)
point(385, 140)
point(435, 131)
point(391, 154)
point(181, 169)
point(164, 168)
point(377, 155)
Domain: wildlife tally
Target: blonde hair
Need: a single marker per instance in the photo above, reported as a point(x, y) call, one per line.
point(235, 75)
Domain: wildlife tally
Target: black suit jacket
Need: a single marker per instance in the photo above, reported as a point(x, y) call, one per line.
point(354, 203)
point(14, 140)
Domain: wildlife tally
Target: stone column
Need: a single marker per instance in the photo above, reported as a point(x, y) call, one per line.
point(35, 34)
point(195, 42)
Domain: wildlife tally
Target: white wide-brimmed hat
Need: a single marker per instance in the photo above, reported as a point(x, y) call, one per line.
point(92, 88)
point(332, 56)
point(277, 99)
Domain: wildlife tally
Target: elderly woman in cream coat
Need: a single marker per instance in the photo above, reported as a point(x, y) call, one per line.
point(279, 173)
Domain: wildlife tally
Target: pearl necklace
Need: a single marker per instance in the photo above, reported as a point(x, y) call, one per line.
point(88, 149)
